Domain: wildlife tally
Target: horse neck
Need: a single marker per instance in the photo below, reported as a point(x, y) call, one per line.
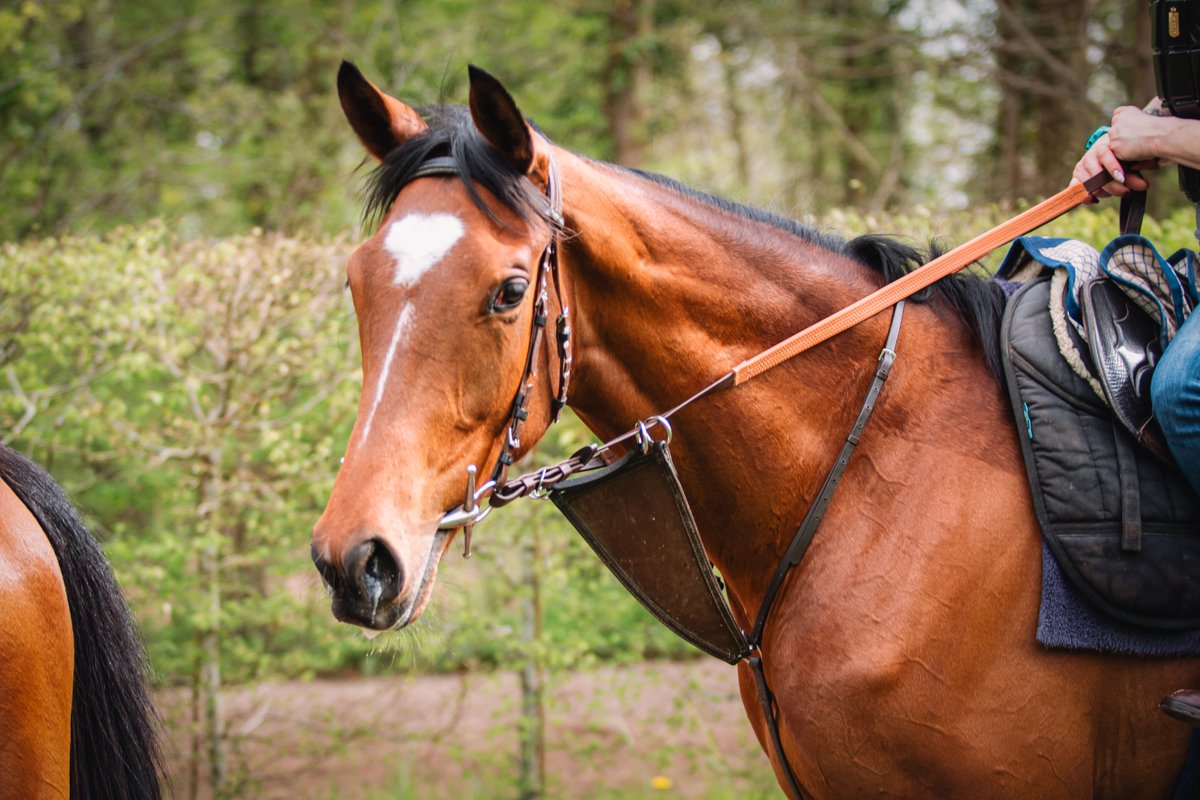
point(670, 293)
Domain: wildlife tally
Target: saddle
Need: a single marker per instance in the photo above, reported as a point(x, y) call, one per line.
point(1119, 517)
point(1125, 346)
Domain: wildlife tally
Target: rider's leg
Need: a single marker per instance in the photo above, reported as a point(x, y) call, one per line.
point(1175, 393)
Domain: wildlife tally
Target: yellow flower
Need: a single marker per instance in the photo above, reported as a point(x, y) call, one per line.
point(661, 783)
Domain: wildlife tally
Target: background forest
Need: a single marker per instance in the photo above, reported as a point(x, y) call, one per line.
point(219, 115)
point(179, 193)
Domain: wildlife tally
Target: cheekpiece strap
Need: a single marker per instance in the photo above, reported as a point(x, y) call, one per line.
point(562, 337)
point(547, 276)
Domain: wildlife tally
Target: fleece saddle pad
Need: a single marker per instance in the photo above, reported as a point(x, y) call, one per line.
point(1123, 525)
point(1164, 290)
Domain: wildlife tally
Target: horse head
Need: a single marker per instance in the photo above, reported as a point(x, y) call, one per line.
point(444, 292)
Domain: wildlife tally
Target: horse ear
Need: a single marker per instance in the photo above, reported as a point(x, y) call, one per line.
point(383, 123)
point(500, 121)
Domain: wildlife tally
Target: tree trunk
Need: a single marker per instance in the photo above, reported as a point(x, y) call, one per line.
point(1040, 53)
point(197, 725)
point(1061, 118)
point(1008, 136)
point(532, 727)
point(737, 116)
point(626, 75)
point(210, 638)
point(1140, 82)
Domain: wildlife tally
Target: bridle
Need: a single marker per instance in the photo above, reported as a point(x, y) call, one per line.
point(470, 513)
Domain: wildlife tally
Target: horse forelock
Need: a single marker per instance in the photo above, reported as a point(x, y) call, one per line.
point(452, 133)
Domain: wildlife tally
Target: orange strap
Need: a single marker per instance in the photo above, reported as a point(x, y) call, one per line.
point(968, 253)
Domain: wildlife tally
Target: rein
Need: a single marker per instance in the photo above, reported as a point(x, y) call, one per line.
point(857, 312)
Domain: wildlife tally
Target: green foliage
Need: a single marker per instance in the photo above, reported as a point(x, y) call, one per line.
point(221, 116)
point(179, 390)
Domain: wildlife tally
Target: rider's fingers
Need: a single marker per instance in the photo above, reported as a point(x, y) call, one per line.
point(1137, 182)
point(1115, 189)
point(1088, 166)
point(1110, 163)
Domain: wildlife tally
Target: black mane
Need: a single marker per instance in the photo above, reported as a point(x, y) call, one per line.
point(979, 303)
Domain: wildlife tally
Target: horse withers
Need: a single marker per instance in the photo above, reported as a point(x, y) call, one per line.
point(76, 716)
point(901, 651)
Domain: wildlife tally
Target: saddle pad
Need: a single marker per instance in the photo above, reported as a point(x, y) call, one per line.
point(1165, 289)
point(1067, 621)
point(1124, 528)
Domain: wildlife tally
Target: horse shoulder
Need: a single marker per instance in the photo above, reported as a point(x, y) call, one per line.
point(36, 659)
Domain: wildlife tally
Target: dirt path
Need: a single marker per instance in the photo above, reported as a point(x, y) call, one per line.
point(610, 733)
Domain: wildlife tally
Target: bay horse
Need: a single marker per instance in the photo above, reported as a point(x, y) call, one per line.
point(901, 651)
point(76, 716)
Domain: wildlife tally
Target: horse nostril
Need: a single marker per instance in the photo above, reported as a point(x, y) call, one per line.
point(381, 575)
point(372, 571)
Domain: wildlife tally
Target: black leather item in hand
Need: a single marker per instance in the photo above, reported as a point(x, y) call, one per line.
point(1175, 38)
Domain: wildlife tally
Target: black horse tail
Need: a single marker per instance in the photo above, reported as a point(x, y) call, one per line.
point(115, 753)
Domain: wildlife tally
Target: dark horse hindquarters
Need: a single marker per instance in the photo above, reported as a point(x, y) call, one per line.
point(114, 728)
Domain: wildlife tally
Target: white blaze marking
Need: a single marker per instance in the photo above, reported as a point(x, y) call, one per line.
point(403, 324)
point(417, 242)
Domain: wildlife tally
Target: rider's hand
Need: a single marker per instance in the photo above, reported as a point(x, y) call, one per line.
point(1137, 135)
point(1101, 157)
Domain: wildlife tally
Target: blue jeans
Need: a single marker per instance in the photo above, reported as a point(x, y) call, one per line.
point(1175, 394)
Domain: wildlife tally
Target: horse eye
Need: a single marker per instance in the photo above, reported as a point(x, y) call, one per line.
point(509, 295)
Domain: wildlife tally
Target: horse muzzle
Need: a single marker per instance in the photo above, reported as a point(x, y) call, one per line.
point(366, 590)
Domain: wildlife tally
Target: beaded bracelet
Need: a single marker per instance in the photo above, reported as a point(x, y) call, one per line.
point(1095, 137)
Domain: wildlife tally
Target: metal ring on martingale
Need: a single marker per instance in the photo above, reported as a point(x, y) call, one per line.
point(643, 437)
point(659, 420)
